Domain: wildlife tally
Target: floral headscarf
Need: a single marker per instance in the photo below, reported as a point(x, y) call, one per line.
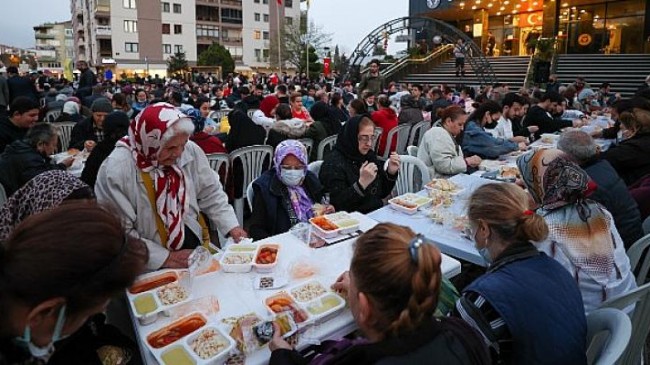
point(145, 141)
point(577, 225)
point(43, 192)
point(300, 201)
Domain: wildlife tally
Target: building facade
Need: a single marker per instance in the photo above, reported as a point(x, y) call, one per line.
point(138, 36)
point(53, 46)
point(581, 26)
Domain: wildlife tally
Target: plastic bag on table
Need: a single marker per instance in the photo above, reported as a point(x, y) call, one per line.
point(208, 306)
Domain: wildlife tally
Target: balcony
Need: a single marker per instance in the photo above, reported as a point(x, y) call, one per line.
point(232, 40)
point(231, 2)
point(262, 59)
point(207, 2)
point(102, 8)
point(103, 30)
point(44, 36)
point(204, 39)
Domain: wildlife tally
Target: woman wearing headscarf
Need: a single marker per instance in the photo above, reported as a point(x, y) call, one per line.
point(582, 235)
point(116, 126)
point(265, 115)
point(70, 113)
point(208, 143)
point(352, 172)
point(243, 131)
point(285, 195)
point(324, 125)
point(162, 185)
point(44, 192)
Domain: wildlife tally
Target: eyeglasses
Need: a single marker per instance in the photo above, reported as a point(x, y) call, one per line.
point(415, 244)
point(289, 167)
point(366, 138)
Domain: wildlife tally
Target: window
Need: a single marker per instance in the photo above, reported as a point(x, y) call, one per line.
point(288, 20)
point(265, 35)
point(130, 47)
point(177, 8)
point(130, 26)
point(207, 13)
point(257, 17)
point(178, 29)
point(265, 2)
point(233, 16)
point(129, 4)
point(68, 32)
point(207, 31)
point(258, 54)
point(288, 3)
point(266, 18)
point(257, 1)
point(165, 7)
point(165, 28)
point(178, 48)
point(167, 48)
point(257, 34)
point(265, 54)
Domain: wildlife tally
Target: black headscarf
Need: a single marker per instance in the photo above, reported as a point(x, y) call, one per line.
point(323, 113)
point(116, 125)
point(243, 131)
point(348, 141)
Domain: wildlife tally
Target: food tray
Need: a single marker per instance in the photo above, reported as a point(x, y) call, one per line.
point(443, 185)
point(266, 257)
point(319, 304)
point(238, 258)
point(343, 222)
point(188, 330)
point(549, 138)
point(409, 203)
point(145, 294)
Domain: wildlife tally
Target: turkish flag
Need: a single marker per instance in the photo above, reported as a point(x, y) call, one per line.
point(279, 2)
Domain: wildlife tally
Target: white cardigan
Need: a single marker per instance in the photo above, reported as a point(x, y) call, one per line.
point(441, 154)
point(119, 183)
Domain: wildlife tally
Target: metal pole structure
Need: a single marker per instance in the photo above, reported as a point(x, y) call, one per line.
point(307, 40)
point(279, 41)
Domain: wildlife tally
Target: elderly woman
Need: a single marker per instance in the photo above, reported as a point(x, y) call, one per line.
point(44, 192)
point(60, 268)
point(285, 195)
point(631, 157)
point(393, 288)
point(352, 172)
point(582, 235)
point(477, 141)
point(162, 186)
point(520, 281)
point(439, 149)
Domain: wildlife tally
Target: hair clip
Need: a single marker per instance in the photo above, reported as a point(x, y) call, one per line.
point(528, 212)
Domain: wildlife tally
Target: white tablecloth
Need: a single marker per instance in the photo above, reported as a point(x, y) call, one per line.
point(237, 297)
point(449, 241)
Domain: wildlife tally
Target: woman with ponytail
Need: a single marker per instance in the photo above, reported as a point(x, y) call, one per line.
point(526, 306)
point(393, 288)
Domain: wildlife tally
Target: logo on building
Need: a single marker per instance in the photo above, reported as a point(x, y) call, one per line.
point(585, 39)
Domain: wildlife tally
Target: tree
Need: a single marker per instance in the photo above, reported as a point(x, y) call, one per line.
point(177, 63)
point(379, 51)
point(294, 41)
point(336, 60)
point(217, 55)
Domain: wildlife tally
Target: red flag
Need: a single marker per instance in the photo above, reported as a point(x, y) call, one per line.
point(279, 2)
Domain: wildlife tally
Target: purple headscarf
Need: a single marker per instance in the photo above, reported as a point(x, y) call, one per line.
point(300, 201)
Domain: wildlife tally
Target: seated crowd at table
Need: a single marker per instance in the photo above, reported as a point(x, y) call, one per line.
point(554, 241)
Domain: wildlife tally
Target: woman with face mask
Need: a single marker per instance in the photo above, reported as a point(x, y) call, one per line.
point(520, 281)
point(631, 157)
point(285, 195)
point(477, 141)
point(57, 269)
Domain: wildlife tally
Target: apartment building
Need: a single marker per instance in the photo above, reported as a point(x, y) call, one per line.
point(138, 36)
point(54, 45)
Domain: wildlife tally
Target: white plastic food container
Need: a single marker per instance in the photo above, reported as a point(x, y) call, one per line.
point(238, 258)
point(343, 221)
point(147, 305)
point(416, 202)
point(266, 267)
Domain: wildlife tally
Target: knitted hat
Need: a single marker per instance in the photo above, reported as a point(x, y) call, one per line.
point(101, 105)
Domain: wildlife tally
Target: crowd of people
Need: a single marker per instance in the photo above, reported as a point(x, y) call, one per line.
point(147, 197)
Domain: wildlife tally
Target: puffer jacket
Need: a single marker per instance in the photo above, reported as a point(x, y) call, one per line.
point(286, 129)
point(20, 163)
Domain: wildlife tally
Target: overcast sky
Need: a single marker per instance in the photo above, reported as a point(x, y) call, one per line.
point(347, 20)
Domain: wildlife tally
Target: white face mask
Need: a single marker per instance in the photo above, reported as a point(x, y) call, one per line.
point(292, 177)
point(43, 353)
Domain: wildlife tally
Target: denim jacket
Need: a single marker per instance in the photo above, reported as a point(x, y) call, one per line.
point(476, 141)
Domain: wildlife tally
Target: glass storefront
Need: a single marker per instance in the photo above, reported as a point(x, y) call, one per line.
point(582, 26)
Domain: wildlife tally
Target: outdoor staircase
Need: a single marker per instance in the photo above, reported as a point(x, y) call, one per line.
point(625, 72)
point(508, 69)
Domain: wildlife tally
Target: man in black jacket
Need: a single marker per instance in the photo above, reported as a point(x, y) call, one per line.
point(87, 80)
point(540, 115)
point(20, 86)
point(24, 159)
point(23, 114)
point(612, 191)
point(87, 133)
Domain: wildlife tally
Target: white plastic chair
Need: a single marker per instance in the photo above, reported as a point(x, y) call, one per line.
point(412, 151)
point(252, 159)
point(616, 325)
point(327, 143)
point(309, 144)
point(315, 167)
point(635, 252)
point(402, 132)
point(646, 226)
point(3, 195)
point(250, 112)
point(65, 134)
point(417, 132)
point(407, 179)
point(218, 114)
point(52, 115)
point(250, 193)
point(376, 137)
point(640, 297)
point(219, 161)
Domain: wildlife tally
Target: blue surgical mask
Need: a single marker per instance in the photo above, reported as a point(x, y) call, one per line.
point(43, 353)
point(484, 252)
point(292, 177)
